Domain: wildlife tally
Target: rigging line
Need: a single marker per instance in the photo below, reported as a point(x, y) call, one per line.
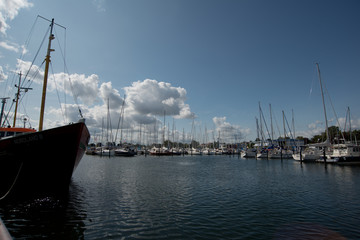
point(277, 126)
point(346, 117)
point(63, 54)
point(267, 129)
point(314, 76)
point(51, 21)
point(27, 41)
point(22, 102)
point(26, 44)
point(30, 81)
point(120, 118)
point(37, 53)
point(6, 119)
point(332, 106)
point(291, 134)
point(25, 111)
point(72, 91)
point(12, 185)
point(57, 93)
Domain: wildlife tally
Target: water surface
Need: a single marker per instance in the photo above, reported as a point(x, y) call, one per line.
point(195, 197)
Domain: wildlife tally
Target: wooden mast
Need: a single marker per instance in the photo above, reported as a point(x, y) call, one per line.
point(17, 96)
point(17, 99)
point(47, 61)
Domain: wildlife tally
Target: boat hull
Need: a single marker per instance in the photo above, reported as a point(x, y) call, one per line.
point(347, 160)
point(41, 162)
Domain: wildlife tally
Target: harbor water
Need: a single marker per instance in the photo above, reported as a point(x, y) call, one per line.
point(195, 197)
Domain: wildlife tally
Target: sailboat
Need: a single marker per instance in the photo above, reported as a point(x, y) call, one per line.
point(346, 152)
point(317, 152)
point(28, 162)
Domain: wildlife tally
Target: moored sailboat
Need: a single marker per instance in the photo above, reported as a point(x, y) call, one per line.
point(317, 152)
point(27, 159)
point(346, 153)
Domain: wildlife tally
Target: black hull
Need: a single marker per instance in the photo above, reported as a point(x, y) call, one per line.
point(349, 160)
point(41, 162)
point(125, 154)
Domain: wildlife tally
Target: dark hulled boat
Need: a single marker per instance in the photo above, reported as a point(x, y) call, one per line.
point(37, 162)
point(41, 162)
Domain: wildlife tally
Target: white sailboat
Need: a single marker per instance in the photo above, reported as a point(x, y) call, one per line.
point(317, 152)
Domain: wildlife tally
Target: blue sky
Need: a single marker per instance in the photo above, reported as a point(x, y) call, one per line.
point(215, 60)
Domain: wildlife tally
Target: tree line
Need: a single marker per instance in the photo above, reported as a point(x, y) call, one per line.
point(336, 135)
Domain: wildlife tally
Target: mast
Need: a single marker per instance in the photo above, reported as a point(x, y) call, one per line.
point(272, 129)
point(17, 96)
point(257, 128)
point(17, 99)
point(3, 102)
point(350, 125)
point(47, 61)
point(163, 144)
point(322, 95)
point(293, 122)
point(284, 128)
point(261, 127)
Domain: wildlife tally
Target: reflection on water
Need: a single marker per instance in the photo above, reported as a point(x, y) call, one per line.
point(46, 217)
point(202, 197)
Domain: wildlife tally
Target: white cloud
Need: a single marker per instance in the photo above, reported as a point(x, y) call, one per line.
point(3, 76)
point(99, 5)
point(85, 88)
point(107, 92)
point(9, 9)
point(35, 73)
point(146, 100)
point(156, 98)
point(9, 46)
point(229, 132)
point(355, 124)
point(318, 127)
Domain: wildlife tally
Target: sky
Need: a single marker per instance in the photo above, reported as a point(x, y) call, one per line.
point(206, 65)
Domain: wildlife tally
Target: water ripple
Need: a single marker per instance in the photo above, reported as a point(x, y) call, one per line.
point(213, 197)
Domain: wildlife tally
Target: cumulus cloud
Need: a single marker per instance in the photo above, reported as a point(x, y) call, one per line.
point(229, 132)
point(3, 76)
point(145, 103)
point(31, 72)
point(108, 93)
point(85, 88)
point(318, 127)
point(9, 9)
point(156, 98)
point(344, 123)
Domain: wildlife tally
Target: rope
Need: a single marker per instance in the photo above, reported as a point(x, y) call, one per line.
point(57, 92)
point(15, 180)
point(63, 54)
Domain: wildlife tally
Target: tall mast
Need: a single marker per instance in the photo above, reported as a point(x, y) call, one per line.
point(3, 102)
point(284, 127)
point(272, 129)
point(322, 95)
point(47, 61)
point(17, 96)
point(17, 99)
point(350, 125)
point(293, 123)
